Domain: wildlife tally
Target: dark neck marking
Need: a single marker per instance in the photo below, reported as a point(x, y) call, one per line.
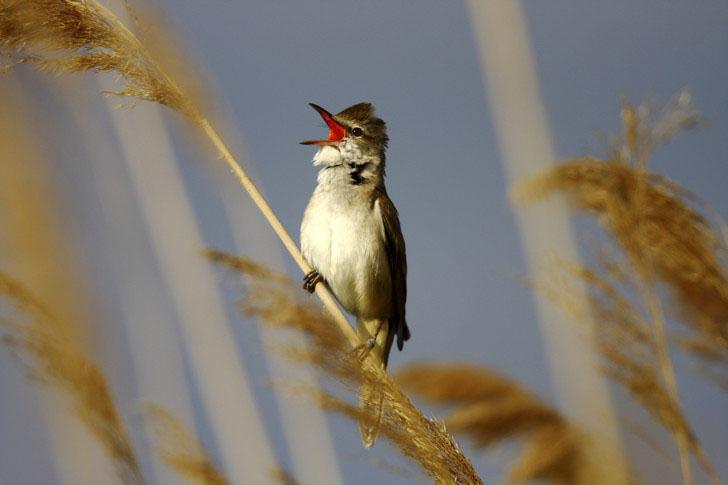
point(356, 172)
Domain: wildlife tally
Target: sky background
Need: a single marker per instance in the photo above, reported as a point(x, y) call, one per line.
point(417, 62)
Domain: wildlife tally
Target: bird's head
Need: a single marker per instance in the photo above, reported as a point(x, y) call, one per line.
point(356, 137)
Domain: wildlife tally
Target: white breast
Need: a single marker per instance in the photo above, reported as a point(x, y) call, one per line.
point(342, 237)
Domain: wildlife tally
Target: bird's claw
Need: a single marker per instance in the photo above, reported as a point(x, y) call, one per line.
point(311, 280)
point(362, 350)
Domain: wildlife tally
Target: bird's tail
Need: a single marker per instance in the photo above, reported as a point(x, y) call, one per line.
point(371, 399)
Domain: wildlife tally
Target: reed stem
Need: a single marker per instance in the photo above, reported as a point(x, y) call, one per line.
point(658, 320)
point(668, 375)
point(321, 290)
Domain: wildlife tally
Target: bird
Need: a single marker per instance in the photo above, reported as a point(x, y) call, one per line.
point(351, 238)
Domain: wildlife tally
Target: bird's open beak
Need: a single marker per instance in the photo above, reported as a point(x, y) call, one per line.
point(336, 131)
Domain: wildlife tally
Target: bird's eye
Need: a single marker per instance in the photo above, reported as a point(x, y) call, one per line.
point(357, 131)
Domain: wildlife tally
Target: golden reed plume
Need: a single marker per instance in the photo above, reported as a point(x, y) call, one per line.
point(665, 240)
point(83, 35)
point(180, 449)
point(654, 221)
point(274, 299)
point(77, 36)
point(490, 409)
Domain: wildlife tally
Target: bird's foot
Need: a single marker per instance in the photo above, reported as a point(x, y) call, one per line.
point(311, 280)
point(362, 350)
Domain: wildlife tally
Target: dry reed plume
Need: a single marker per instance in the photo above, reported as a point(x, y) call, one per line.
point(653, 220)
point(665, 241)
point(181, 450)
point(273, 298)
point(83, 35)
point(52, 357)
point(491, 409)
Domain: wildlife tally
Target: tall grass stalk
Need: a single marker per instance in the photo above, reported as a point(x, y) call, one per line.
point(639, 155)
point(218, 369)
point(668, 372)
point(76, 36)
point(156, 351)
point(509, 70)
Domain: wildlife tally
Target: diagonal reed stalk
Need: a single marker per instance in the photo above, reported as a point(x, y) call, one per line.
point(510, 73)
point(236, 168)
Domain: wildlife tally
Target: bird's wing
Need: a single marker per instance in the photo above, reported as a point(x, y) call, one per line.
point(397, 256)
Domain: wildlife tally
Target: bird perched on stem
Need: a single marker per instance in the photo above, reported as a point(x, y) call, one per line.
point(350, 235)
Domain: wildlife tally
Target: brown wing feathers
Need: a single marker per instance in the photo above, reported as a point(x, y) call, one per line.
point(396, 254)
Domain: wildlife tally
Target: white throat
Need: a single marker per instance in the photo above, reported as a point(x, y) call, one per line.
point(347, 164)
point(328, 156)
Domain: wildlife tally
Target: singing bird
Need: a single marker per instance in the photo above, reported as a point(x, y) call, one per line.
point(351, 237)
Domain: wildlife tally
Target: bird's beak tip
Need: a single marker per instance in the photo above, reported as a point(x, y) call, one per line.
point(337, 132)
point(320, 143)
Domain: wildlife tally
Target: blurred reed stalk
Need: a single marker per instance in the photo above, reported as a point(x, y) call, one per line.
point(149, 319)
point(512, 87)
point(49, 336)
point(663, 240)
point(638, 257)
point(218, 368)
point(49, 327)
